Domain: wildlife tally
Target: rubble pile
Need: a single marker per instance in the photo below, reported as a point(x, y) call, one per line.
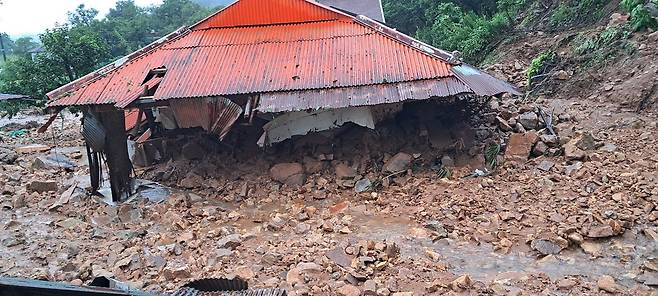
point(335, 218)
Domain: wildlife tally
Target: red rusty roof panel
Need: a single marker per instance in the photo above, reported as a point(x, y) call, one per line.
point(304, 64)
point(258, 46)
point(259, 12)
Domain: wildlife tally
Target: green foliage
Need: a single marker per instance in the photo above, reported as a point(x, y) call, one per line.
point(456, 29)
point(573, 12)
point(629, 5)
point(641, 19)
point(11, 108)
point(539, 65)
point(599, 48)
point(491, 155)
point(23, 45)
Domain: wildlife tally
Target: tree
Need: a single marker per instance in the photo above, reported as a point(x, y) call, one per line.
point(23, 45)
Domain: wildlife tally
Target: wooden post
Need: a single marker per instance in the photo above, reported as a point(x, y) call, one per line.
point(116, 153)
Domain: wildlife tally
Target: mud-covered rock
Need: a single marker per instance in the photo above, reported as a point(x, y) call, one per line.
point(288, 173)
point(397, 163)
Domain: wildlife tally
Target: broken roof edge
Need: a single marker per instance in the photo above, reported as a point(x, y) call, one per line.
point(85, 80)
point(482, 83)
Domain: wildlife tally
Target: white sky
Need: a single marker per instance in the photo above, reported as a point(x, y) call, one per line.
point(31, 17)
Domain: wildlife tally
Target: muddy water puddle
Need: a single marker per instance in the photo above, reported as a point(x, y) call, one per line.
point(621, 257)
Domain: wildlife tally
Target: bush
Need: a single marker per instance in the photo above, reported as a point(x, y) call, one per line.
point(465, 31)
point(577, 11)
point(540, 65)
point(641, 18)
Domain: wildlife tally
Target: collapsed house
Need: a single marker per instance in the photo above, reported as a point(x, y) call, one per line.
point(296, 66)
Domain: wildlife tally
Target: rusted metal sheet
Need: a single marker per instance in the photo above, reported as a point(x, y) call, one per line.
point(281, 48)
point(215, 115)
point(255, 292)
point(482, 83)
point(309, 64)
point(251, 13)
point(361, 96)
point(104, 71)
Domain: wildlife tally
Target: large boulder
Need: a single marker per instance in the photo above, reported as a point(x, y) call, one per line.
point(397, 163)
point(520, 146)
point(288, 173)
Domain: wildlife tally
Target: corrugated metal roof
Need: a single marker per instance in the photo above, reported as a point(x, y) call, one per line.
point(271, 46)
point(6, 97)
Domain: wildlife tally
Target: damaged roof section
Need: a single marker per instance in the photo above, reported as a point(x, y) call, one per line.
point(300, 55)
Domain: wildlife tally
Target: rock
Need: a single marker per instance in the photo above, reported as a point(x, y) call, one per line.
point(585, 142)
point(617, 19)
point(519, 146)
point(363, 185)
point(601, 231)
point(191, 181)
point(53, 161)
point(447, 161)
point(176, 271)
point(294, 277)
point(192, 151)
point(312, 165)
point(545, 165)
point(572, 152)
point(309, 267)
point(437, 228)
point(344, 171)
point(7, 156)
point(33, 148)
point(529, 120)
point(42, 186)
point(550, 140)
point(338, 256)
point(608, 147)
point(348, 290)
point(244, 272)
point(608, 284)
point(653, 37)
point(461, 283)
point(503, 124)
point(650, 234)
point(277, 223)
point(18, 201)
point(397, 163)
point(565, 284)
point(230, 241)
point(540, 149)
point(302, 228)
point(562, 75)
point(575, 167)
point(591, 248)
point(576, 238)
point(545, 247)
point(288, 173)
point(370, 288)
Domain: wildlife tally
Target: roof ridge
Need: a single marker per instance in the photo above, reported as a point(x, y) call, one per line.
point(272, 42)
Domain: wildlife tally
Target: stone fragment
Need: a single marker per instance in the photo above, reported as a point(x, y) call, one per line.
point(591, 248)
point(370, 288)
point(244, 272)
point(529, 120)
point(7, 156)
point(461, 283)
point(191, 181)
point(550, 140)
point(230, 241)
point(540, 149)
point(562, 75)
point(176, 271)
point(362, 185)
point(608, 284)
point(565, 284)
point(288, 173)
point(294, 277)
point(344, 171)
point(277, 223)
point(545, 165)
point(42, 186)
point(53, 161)
point(519, 146)
point(348, 290)
point(32, 148)
point(397, 163)
point(601, 231)
point(503, 124)
point(545, 247)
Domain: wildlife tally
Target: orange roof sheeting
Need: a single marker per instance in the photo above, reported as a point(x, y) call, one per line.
point(278, 46)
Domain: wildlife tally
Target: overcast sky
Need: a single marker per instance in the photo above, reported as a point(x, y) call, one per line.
point(31, 17)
